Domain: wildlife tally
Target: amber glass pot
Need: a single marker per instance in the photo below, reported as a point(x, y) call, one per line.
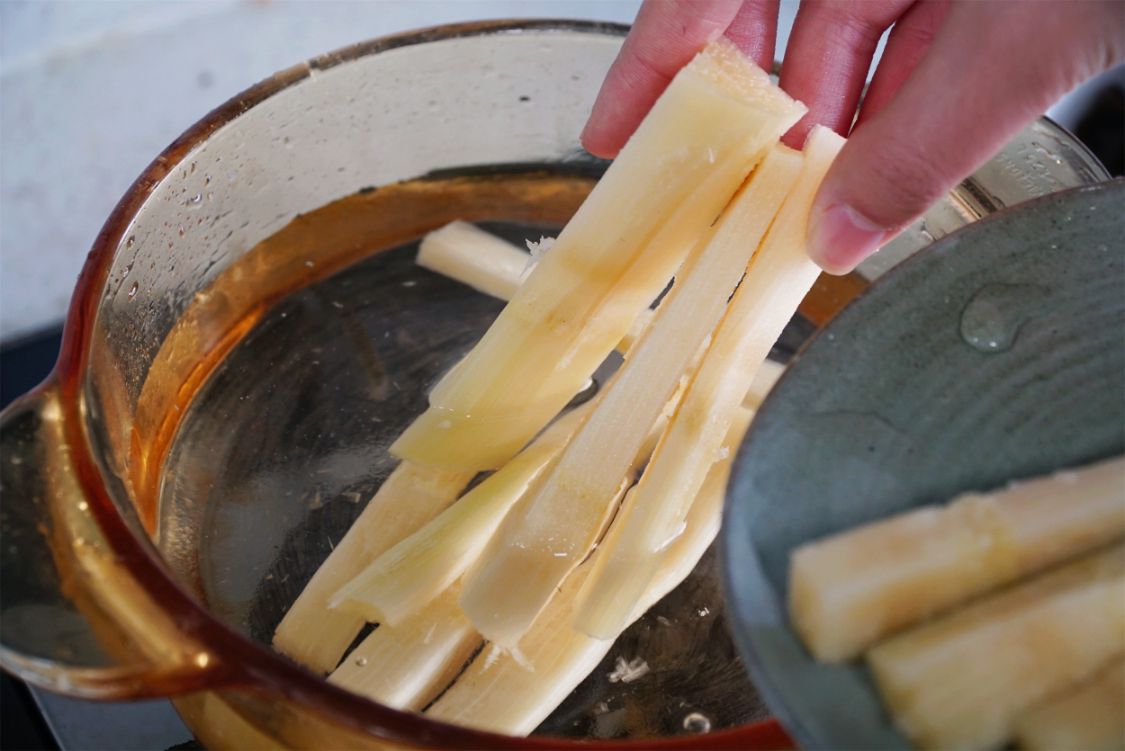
point(148, 547)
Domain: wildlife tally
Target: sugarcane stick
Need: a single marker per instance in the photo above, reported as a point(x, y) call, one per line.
point(713, 123)
point(963, 680)
point(317, 637)
point(420, 567)
point(1091, 718)
point(498, 692)
point(551, 531)
point(474, 257)
point(484, 263)
point(407, 665)
point(778, 278)
point(851, 589)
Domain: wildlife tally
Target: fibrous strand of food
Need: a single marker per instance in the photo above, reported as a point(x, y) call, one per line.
point(778, 278)
point(550, 532)
point(963, 680)
point(712, 124)
point(317, 637)
point(849, 590)
point(504, 696)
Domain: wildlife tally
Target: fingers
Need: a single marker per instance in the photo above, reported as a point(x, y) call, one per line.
point(754, 31)
point(830, 50)
point(972, 91)
point(908, 41)
point(664, 38)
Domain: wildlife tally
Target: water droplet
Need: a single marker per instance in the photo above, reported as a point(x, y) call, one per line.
point(83, 506)
point(310, 264)
point(130, 241)
point(133, 291)
point(993, 317)
point(924, 232)
point(181, 230)
point(704, 612)
point(697, 722)
point(361, 662)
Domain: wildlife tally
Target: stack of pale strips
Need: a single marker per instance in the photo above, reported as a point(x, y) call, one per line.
point(962, 681)
point(525, 571)
point(848, 591)
point(973, 678)
point(715, 121)
point(506, 697)
point(779, 277)
point(551, 532)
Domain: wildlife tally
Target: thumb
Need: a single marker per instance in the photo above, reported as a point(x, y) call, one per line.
point(992, 67)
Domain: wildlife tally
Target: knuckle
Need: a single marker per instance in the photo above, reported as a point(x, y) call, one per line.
point(853, 20)
point(901, 182)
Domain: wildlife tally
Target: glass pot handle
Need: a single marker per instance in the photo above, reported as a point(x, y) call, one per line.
point(73, 619)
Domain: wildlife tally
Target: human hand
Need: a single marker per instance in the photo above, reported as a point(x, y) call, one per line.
point(956, 81)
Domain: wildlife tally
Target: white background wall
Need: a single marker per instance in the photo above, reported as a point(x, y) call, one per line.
point(92, 90)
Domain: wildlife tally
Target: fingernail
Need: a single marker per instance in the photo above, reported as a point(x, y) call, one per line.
point(840, 237)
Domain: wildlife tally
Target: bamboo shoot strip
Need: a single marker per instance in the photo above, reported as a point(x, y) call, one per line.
point(317, 637)
point(499, 694)
point(851, 589)
point(1091, 718)
point(716, 119)
point(417, 569)
point(963, 680)
point(551, 531)
point(779, 277)
point(406, 666)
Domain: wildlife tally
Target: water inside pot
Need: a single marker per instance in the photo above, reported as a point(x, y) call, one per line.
point(286, 440)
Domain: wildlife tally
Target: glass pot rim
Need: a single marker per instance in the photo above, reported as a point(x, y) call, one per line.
point(237, 661)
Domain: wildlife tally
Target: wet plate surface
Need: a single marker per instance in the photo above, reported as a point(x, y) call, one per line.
point(995, 354)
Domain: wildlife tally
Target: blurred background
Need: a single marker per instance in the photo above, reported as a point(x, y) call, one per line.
point(92, 91)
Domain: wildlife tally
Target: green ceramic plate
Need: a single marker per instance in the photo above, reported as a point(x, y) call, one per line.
point(995, 354)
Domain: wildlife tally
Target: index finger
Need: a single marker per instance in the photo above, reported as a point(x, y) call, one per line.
point(664, 38)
